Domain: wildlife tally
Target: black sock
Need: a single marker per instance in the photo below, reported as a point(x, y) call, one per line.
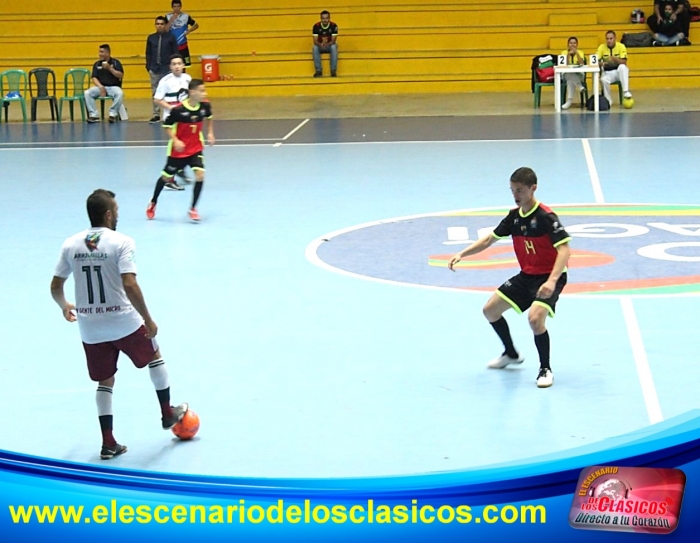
point(106, 428)
point(159, 188)
point(501, 327)
point(542, 343)
point(164, 400)
point(164, 396)
point(196, 193)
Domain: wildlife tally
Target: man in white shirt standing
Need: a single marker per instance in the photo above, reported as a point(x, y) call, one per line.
point(173, 88)
point(111, 312)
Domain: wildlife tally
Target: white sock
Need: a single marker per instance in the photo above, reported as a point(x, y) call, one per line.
point(159, 374)
point(104, 401)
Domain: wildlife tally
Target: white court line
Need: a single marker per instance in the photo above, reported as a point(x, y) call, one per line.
point(69, 145)
point(593, 172)
point(302, 123)
point(646, 380)
point(122, 142)
point(640, 359)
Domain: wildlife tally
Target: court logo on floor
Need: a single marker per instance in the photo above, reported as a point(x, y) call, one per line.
point(624, 499)
point(617, 249)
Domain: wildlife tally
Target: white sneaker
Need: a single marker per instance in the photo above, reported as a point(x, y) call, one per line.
point(566, 105)
point(503, 361)
point(545, 378)
point(628, 94)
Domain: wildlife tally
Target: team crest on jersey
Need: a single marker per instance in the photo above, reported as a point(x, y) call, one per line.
point(616, 249)
point(92, 240)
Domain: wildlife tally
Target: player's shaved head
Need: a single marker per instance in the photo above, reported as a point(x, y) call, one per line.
point(98, 203)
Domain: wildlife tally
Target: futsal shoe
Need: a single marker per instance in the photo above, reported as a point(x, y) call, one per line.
point(566, 105)
point(545, 378)
point(180, 176)
point(178, 413)
point(172, 185)
point(107, 453)
point(151, 211)
point(503, 361)
point(194, 216)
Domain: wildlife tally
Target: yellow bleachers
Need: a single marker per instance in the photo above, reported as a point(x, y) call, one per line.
point(385, 46)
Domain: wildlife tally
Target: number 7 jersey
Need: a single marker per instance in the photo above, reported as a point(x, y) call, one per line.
point(97, 258)
point(187, 122)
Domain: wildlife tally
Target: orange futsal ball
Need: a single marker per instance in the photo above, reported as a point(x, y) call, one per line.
point(188, 427)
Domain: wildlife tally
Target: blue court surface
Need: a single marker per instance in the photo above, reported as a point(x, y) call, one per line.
point(310, 319)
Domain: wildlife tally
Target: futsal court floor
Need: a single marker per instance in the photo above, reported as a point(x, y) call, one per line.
point(309, 319)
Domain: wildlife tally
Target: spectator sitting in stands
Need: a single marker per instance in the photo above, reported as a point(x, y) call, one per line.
point(681, 13)
point(325, 34)
point(107, 75)
point(669, 29)
point(574, 82)
point(612, 56)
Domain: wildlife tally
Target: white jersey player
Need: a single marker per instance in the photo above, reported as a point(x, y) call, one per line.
point(173, 88)
point(111, 312)
point(97, 258)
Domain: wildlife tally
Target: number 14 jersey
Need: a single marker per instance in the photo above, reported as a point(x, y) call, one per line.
point(97, 258)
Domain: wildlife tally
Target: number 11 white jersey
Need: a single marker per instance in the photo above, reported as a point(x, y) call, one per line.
point(97, 257)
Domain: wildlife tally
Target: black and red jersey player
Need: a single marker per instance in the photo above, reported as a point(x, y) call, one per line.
point(541, 245)
point(186, 146)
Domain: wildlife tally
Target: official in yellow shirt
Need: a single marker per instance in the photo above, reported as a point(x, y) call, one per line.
point(613, 58)
point(574, 82)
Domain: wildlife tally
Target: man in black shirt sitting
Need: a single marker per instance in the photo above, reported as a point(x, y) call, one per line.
point(325, 34)
point(107, 75)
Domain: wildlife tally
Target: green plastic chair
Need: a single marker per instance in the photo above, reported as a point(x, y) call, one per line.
point(538, 92)
point(537, 85)
point(13, 82)
point(74, 86)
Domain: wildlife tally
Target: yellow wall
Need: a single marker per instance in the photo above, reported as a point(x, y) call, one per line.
point(385, 46)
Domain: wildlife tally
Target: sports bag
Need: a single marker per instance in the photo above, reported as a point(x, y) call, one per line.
point(637, 39)
point(603, 104)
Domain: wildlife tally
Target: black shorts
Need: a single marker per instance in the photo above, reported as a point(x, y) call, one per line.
point(520, 291)
point(185, 52)
point(175, 164)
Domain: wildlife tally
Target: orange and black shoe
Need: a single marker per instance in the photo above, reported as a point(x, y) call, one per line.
point(194, 216)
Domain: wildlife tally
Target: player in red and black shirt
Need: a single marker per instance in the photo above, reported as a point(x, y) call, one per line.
point(186, 145)
point(542, 247)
